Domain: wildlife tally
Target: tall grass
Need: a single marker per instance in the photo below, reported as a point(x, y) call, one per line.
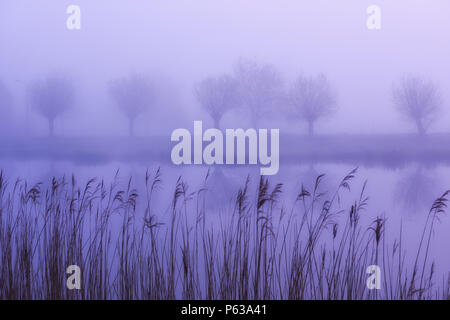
point(260, 249)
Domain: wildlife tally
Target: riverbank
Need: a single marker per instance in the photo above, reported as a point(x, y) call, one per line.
point(371, 150)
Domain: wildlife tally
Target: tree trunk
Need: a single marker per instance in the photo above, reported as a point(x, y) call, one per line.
point(51, 127)
point(310, 128)
point(217, 123)
point(420, 127)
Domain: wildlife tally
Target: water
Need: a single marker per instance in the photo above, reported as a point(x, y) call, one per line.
point(403, 196)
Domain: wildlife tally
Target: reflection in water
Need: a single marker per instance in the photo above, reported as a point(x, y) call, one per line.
point(308, 179)
point(416, 190)
point(220, 189)
point(52, 170)
point(413, 189)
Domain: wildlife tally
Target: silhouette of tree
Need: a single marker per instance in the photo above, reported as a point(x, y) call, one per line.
point(260, 86)
point(418, 100)
point(52, 97)
point(133, 95)
point(311, 98)
point(415, 190)
point(217, 96)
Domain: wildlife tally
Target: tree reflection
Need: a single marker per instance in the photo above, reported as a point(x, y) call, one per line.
point(416, 190)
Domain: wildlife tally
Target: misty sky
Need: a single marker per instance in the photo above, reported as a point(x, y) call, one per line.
point(183, 41)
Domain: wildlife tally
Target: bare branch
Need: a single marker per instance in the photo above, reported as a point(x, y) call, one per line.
point(418, 100)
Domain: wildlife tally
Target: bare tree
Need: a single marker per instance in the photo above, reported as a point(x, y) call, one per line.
point(52, 97)
point(260, 85)
point(311, 98)
point(418, 100)
point(217, 96)
point(133, 95)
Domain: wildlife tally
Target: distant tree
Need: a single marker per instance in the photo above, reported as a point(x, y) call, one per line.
point(52, 97)
point(133, 95)
point(418, 100)
point(260, 86)
point(311, 98)
point(217, 96)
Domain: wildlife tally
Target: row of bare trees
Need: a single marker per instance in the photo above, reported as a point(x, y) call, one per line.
point(257, 89)
point(260, 89)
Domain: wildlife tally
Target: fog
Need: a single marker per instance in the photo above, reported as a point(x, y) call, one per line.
point(103, 101)
point(182, 42)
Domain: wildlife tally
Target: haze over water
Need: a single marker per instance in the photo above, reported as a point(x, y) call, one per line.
point(180, 43)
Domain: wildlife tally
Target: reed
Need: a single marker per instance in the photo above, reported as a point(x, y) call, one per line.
point(256, 248)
